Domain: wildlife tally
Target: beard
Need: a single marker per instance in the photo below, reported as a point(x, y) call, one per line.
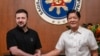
point(23, 26)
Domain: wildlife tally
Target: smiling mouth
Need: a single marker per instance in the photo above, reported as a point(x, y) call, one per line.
point(72, 22)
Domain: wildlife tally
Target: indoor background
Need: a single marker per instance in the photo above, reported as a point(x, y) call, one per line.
point(48, 33)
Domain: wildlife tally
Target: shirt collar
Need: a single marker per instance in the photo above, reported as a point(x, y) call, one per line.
point(78, 31)
point(20, 29)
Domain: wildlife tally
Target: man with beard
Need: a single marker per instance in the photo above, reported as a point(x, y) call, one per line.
point(21, 40)
point(77, 41)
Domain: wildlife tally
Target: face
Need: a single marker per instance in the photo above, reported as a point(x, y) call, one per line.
point(73, 20)
point(21, 19)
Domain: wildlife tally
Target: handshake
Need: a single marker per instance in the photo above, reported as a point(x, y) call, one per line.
point(54, 52)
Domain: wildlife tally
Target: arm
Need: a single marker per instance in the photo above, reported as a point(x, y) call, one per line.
point(94, 53)
point(59, 47)
point(55, 52)
point(38, 52)
point(38, 45)
point(17, 52)
point(92, 43)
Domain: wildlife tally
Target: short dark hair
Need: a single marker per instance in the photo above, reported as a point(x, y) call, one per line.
point(74, 11)
point(90, 24)
point(22, 11)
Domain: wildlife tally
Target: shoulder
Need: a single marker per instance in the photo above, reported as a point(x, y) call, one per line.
point(85, 30)
point(65, 33)
point(13, 30)
point(32, 30)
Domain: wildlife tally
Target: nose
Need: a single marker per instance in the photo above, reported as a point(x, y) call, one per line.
point(72, 19)
point(20, 19)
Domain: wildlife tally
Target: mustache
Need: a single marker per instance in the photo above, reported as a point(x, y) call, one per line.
point(20, 22)
point(72, 22)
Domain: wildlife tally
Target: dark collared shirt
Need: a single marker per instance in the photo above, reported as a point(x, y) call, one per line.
point(26, 41)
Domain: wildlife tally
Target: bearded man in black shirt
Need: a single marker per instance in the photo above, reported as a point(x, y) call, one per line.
point(21, 40)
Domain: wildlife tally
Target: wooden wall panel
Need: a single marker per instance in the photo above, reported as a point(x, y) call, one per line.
point(49, 34)
point(92, 12)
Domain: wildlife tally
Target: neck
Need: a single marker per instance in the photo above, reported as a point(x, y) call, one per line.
point(75, 29)
point(25, 29)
